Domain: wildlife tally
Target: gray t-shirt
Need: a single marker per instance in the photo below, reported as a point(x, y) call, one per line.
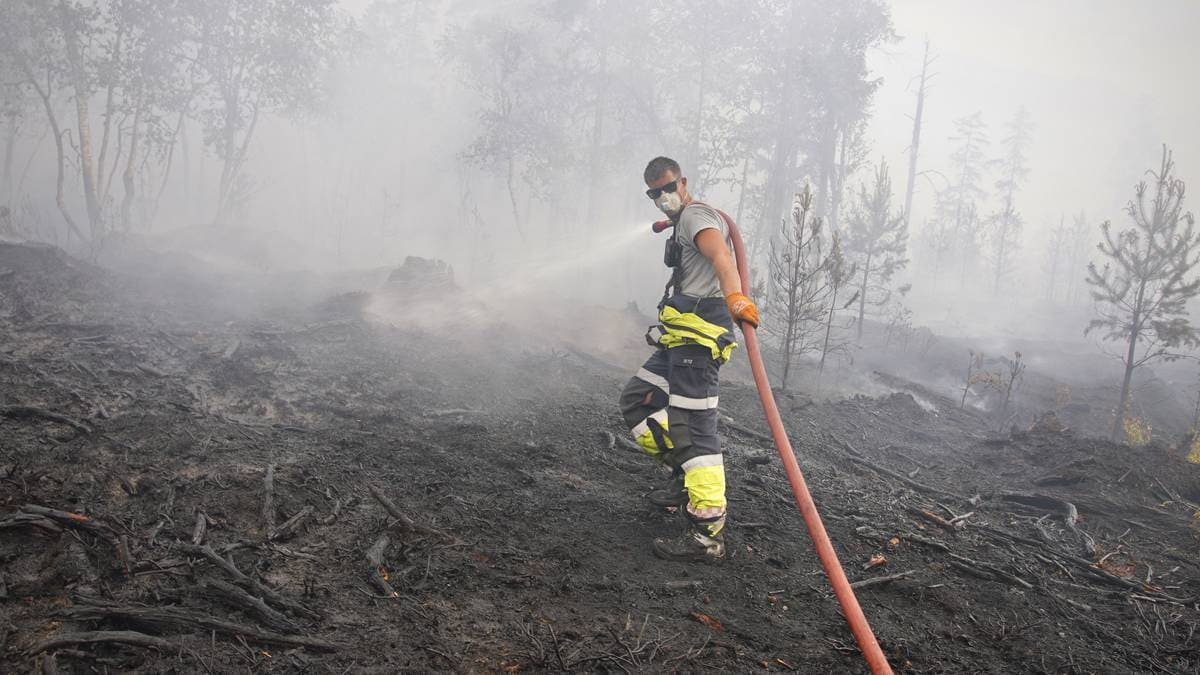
point(698, 278)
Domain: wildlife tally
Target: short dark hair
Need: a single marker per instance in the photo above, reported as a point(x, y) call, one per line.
point(658, 166)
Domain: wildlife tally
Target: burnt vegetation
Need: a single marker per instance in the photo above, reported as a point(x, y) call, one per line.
point(307, 362)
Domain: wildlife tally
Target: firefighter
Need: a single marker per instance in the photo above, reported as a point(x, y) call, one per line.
point(670, 405)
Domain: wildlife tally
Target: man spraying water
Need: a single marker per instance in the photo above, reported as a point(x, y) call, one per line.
point(671, 403)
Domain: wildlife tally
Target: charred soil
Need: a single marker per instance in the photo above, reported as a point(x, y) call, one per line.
point(190, 488)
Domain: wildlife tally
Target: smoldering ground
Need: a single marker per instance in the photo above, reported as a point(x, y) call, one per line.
point(311, 364)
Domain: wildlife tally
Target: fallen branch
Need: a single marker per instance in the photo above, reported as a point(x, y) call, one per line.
point(921, 487)
point(76, 520)
point(404, 520)
point(337, 509)
point(32, 412)
point(238, 597)
point(1084, 565)
point(179, 618)
point(973, 567)
point(934, 518)
point(876, 581)
point(252, 585)
point(290, 526)
point(128, 637)
point(629, 445)
point(610, 440)
point(150, 370)
point(1067, 510)
point(29, 520)
point(200, 529)
point(376, 571)
point(268, 509)
point(746, 431)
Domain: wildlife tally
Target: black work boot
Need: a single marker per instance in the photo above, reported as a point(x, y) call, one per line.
point(694, 545)
point(671, 493)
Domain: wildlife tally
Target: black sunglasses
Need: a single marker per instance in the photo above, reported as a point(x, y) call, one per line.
point(655, 193)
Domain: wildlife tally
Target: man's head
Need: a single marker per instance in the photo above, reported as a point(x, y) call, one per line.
point(666, 186)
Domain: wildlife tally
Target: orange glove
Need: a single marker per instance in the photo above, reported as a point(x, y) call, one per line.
point(742, 308)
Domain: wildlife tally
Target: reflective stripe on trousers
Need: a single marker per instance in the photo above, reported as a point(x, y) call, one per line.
point(682, 380)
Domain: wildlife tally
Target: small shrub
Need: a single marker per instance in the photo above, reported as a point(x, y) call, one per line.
point(1138, 431)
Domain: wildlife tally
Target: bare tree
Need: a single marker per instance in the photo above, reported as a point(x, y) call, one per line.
point(1010, 380)
point(17, 112)
point(31, 39)
point(914, 147)
point(1056, 256)
point(877, 239)
point(899, 328)
point(838, 271)
point(1004, 226)
point(796, 298)
point(1141, 292)
point(258, 57)
point(954, 232)
point(520, 139)
point(1080, 240)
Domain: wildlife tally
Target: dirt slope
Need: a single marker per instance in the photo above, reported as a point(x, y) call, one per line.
point(158, 419)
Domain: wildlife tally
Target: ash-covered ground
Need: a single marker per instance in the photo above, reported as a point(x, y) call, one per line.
point(303, 482)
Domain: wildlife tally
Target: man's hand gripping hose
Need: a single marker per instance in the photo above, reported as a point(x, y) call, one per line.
point(742, 309)
point(816, 529)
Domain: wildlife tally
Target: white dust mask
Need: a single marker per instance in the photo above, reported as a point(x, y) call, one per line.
point(669, 203)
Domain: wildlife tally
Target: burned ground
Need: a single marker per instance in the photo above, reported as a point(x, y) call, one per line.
point(186, 486)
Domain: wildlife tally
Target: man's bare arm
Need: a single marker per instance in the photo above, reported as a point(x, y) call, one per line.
point(712, 246)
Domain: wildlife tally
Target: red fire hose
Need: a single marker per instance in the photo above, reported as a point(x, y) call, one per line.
point(816, 529)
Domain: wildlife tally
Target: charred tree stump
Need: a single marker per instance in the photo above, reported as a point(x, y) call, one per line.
point(376, 571)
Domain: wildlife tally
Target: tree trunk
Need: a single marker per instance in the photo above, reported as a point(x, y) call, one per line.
point(1000, 254)
point(127, 177)
point(915, 146)
point(60, 152)
point(229, 152)
point(792, 331)
point(837, 181)
point(862, 295)
point(166, 172)
point(1119, 419)
point(10, 145)
point(826, 159)
point(1135, 329)
point(828, 332)
point(1057, 253)
point(108, 109)
point(116, 163)
point(510, 182)
point(594, 152)
point(742, 187)
point(87, 161)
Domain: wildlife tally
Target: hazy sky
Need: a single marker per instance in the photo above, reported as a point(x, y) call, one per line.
point(1106, 82)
